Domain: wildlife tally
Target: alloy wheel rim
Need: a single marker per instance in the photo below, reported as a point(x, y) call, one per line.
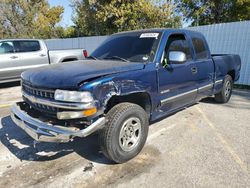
point(130, 134)
point(228, 89)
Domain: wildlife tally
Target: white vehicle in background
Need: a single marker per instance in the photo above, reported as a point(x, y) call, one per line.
point(18, 55)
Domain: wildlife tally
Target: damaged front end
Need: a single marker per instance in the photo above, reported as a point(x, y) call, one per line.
point(49, 130)
point(59, 115)
point(56, 115)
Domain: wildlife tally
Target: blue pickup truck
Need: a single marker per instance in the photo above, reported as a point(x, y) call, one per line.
point(133, 78)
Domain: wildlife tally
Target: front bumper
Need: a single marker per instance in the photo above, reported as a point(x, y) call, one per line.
point(47, 132)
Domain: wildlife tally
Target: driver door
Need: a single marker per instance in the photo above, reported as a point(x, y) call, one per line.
point(177, 84)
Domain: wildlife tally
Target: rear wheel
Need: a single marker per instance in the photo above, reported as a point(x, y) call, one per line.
point(224, 95)
point(125, 132)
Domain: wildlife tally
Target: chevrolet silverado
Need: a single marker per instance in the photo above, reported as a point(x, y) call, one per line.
point(131, 79)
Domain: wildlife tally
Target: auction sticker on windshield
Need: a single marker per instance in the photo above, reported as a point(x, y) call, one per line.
point(149, 35)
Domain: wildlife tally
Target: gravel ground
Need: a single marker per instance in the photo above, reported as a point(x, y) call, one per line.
point(205, 145)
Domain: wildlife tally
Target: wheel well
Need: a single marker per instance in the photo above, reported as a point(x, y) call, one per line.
point(142, 99)
point(69, 59)
point(232, 74)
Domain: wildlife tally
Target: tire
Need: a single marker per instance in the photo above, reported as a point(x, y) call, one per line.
point(125, 132)
point(224, 95)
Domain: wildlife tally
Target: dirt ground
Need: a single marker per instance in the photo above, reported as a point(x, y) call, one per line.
point(205, 145)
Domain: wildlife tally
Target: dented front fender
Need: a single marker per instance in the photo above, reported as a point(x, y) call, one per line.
point(104, 88)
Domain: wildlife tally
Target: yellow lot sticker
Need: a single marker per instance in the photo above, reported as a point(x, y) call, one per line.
point(5, 105)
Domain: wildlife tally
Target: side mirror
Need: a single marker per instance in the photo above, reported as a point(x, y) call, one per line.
point(177, 57)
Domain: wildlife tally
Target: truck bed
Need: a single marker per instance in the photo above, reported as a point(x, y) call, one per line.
point(225, 63)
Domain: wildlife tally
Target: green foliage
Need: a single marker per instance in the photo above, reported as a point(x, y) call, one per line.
point(35, 18)
point(29, 18)
point(69, 32)
point(201, 12)
point(104, 17)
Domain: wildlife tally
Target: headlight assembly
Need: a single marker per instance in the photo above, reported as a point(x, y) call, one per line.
point(73, 96)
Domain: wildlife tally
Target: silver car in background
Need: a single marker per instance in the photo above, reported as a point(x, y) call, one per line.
point(18, 55)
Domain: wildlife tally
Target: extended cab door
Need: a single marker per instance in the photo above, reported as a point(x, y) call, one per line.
point(177, 81)
point(205, 66)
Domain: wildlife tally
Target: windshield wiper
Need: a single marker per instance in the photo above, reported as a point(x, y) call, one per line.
point(92, 57)
point(117, 57)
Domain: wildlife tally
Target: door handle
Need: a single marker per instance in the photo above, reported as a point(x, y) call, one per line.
point(42, 55)
point(194, 70)
point(14, 57)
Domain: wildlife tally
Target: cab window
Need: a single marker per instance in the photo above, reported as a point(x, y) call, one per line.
point(178, 42)
point(27, 46)
point(6, 47)
point(200, 48)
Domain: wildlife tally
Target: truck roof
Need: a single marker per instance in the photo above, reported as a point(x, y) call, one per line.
point(22, 39)
point(162, 30)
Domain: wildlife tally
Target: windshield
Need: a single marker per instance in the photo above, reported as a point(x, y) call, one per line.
point(133, 47)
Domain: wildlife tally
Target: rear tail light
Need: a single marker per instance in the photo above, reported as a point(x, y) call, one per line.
point(85, 53)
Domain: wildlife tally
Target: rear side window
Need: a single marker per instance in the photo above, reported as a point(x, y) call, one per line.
point(200, 48)
point(6, 47)
point(27, 46)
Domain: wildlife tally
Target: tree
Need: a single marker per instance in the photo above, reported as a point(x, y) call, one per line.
point(69, 32)
point(29, 18)
point(200, 12)
point(104, 17)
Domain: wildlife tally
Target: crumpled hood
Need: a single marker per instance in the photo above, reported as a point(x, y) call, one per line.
point(69, 75)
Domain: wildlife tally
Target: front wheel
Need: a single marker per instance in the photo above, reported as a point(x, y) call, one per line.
point(125, 132)
point(224, 95)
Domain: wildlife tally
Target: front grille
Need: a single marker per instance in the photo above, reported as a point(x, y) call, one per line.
point(44, 108)
point(40, 93)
